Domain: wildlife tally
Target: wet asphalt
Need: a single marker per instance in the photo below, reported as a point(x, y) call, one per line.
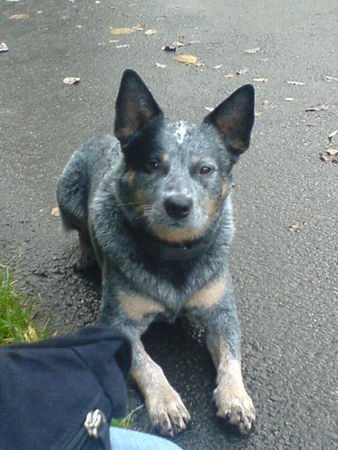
point(285, 281)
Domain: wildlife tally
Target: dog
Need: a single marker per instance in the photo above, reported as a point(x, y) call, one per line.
point(153, 208)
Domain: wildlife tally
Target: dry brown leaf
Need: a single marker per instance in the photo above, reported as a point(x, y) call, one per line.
point(71, 80)
point(296, 83)
point(330, 155)
point(331, 79)
point(119, 31)
point(22, 16)
point(138, 27)
point(251, 51)
point(169, 48)
point(317, 108)
point(331, 135)
point(150, 32)
point(189, 60)
point(3, 47)
point(242, 71)
point(160, 66)
point(55, 212)
point(289, 99)
point(296, 227)
point(230, 75)
point(260, 80)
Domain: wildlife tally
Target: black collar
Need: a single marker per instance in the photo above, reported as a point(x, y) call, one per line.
point(166, 251)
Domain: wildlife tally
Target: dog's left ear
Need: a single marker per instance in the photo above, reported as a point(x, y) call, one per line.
point(234, 118)
point(135, 107)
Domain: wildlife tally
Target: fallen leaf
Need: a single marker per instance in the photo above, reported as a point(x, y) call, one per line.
point(230, 75)
point(260, 80)
point(160, 66)
point(331, 79)
point(296, 227)
point(258, 114)
point(22, 16)
point(150, 32)
point(331, 135)
point(252, 50)
point(55, 212)
point(178, 44)
point(169, 48)
point(331, 155)
point(268, 105)
point(242, 71)
point(71, 80)
point(289, 99)
point(296, 83)
point(119, 31)
point(209, 108)
point(189, 60)
point(317, 108)
point(138, 27)
point(3, 47)
point(218, 66)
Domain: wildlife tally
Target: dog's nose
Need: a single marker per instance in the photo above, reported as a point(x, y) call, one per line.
point(178, 206)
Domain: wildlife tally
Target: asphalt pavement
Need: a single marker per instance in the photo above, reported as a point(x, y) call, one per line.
point(284, 256)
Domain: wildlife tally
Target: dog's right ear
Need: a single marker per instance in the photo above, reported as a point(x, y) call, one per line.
point(135, 107)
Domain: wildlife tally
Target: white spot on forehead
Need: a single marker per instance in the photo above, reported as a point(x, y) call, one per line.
point(180, 131)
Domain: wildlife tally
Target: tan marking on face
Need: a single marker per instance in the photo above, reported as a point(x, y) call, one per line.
point(211, 206)
point(195, 159)
point(123, 132)
point(224, 190)
point(165, 157)
point(136, 306)
point(139, 197)
point(162, 401)
point(178, 236)
point(208, 295)
point(131, 177)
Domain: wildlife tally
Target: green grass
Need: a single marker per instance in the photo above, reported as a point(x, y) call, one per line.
point(126, 421)
point(16, 316)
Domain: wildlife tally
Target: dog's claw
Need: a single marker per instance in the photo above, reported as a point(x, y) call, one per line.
point(235, 406)
point(167, 412)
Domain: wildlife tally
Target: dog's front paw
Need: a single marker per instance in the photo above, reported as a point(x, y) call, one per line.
point(235, 406)
point(85, 261)
point(167, 413)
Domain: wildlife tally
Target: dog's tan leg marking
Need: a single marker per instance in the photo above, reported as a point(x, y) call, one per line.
point(208, 295)
point(166, 410)
point(131, 177)
point(136, 306)
point(232, 401)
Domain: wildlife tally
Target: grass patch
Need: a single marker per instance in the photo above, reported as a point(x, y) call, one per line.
point(126, 421)
point(16, 316)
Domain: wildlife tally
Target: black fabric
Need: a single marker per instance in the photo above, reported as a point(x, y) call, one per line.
point(47, 388)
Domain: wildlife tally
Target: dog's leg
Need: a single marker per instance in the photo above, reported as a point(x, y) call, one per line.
point(215, 308)
point(132, 314)
point(166, 410)
point(86, 258)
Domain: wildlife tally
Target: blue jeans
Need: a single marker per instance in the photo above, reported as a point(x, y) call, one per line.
point(122, 439)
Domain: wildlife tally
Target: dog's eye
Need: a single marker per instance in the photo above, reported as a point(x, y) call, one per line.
point(205, 170)
point(152, 165)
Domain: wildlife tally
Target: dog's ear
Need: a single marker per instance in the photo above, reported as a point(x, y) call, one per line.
point(234, 118)
point(135, 106)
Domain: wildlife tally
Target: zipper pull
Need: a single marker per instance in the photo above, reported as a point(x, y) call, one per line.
point(94, 421)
